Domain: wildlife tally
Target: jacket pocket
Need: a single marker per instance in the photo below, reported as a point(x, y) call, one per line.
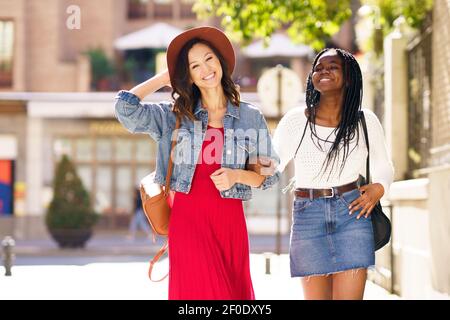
point(244, 147)
point(182, 154)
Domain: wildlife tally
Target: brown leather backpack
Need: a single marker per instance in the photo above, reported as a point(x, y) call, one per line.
point(156, 204)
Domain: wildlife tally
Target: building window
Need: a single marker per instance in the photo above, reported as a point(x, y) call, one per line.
point(104, 149)
point(84, 149)
point(103, 182)
point(186, 9)
point(6, 52)
point(137, 9)
point(419, 103)
point(110, 167)
point(124, 189)
point(63, 147)
point(163, 8)
point(123, 149)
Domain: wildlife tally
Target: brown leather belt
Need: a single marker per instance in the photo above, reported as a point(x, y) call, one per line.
point(325, 193)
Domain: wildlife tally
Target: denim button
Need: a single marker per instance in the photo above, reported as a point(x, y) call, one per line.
point(228, 151)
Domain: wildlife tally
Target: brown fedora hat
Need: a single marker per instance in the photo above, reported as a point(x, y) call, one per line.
point(214, 36)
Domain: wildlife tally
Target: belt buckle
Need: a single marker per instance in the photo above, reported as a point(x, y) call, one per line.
point(332, 194)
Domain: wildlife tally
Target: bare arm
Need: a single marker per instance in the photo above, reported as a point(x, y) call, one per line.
point(151, 85)
point(249, 178)
point(225, 178)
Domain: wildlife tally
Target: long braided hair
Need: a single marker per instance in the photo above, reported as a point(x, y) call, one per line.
point(348, 124)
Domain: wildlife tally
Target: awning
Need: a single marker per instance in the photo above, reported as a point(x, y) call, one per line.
point(280, 46)
point(158, 35)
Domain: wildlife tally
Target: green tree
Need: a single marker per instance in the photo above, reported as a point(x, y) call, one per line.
point(382, 15)
point(414, 12)
point(310, 22)
point(70, 207)
point(101, 66)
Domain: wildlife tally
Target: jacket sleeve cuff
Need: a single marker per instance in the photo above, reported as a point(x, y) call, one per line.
point(270, 181)
point(128, 97)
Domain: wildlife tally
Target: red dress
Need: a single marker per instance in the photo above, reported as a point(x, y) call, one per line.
point(208, 240)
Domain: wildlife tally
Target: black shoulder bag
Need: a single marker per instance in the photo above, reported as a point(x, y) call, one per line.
point(380, 223)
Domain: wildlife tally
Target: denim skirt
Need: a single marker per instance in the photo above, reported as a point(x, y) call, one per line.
point(325, 239)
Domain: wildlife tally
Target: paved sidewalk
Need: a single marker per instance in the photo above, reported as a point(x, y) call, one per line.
point(118, 244)
point(98, 278)
point(114, 267)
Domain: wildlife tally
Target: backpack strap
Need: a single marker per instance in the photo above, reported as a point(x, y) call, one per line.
point(166, 192)
point(155, 259)
point(366, 137)
point(170, 167)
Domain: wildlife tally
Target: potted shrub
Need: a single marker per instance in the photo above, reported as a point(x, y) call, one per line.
point(129, 68)
point(69, 218)
point(101, 68)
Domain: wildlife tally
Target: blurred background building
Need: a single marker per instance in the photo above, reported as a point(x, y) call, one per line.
point(410, 92)
point(46, 58)
point(58, 81)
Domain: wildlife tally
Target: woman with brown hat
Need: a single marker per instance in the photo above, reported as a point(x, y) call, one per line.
point(218, 137)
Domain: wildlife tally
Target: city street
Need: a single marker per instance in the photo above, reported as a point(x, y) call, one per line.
point(113, 268)
point(126, 278)
point(331, 92)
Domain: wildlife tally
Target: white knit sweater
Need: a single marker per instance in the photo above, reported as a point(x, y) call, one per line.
point(309, 159)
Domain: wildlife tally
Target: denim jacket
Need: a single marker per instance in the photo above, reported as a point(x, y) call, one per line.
point(245, 136)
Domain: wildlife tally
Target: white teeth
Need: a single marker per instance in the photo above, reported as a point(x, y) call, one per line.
point(209, 77)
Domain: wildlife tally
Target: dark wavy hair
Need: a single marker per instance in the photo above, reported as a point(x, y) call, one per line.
point(187, 94)
point(348, 125)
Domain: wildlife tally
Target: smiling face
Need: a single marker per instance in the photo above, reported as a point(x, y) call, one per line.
point(204, 66)
point(328, 75)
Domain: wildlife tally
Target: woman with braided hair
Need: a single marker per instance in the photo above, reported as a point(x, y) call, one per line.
point(330, 246)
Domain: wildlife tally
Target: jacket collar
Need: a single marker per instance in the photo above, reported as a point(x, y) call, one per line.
point(232, 110)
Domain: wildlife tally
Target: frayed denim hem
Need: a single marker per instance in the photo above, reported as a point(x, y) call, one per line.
point(355, 268)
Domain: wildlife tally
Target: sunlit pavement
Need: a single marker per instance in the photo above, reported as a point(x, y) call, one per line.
point(96, 278)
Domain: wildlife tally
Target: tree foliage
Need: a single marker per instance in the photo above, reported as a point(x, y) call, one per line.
point(310, 22)
point(414, 12)
point(101, 66)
